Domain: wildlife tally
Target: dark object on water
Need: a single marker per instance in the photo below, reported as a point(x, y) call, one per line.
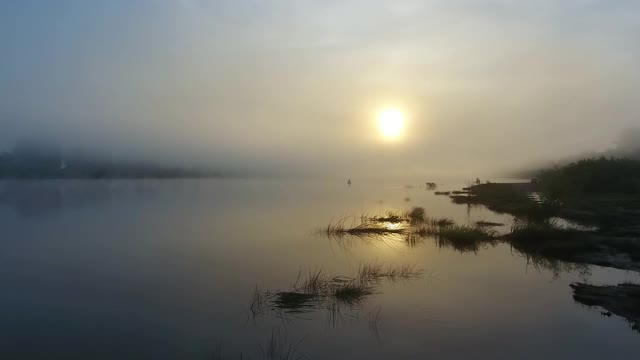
point(431, 185)
point(442, 192)
point(349, 182)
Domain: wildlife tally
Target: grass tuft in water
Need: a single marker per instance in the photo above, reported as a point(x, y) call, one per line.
point(319, 291)
point(416, 215)
point(365, 227)
point(390, 217)
point(463, 238)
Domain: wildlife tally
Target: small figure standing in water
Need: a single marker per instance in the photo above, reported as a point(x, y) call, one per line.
point(349, 182)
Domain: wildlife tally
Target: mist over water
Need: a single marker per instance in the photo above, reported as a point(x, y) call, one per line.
point(359, 179)
point(167, 269)
point(293, 88)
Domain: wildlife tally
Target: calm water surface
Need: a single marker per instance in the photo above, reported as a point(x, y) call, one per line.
point(167, 270)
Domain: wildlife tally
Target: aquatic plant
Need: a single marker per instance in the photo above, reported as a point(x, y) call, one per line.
point(460, 237)
point(390, 217)
point(320, 291)
point(416, 215)
point(363, 228)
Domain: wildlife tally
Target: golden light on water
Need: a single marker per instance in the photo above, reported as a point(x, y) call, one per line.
point(391, 122)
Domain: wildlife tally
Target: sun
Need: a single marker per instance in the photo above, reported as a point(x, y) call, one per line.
point(391, 122)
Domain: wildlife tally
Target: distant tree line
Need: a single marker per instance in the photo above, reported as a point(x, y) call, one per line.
point(592, 176)
point(32, 160)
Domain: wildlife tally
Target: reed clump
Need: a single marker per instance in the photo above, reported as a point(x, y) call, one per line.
point(363, 228)
point(318, 290)
point(416, 215)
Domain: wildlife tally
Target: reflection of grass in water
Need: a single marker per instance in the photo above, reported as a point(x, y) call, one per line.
point(352, 294)
point(295, 302)
point(487, 223)
point(440, 222)
point(278, 347)
point(374, 325)
point(459, 232)
point(555, 266)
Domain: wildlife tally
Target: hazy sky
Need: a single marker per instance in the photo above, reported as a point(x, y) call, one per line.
point(297, 84)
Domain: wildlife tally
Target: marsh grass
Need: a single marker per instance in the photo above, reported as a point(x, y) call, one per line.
point(463, 238)
point(505, 198)
point(321, 291)
point(373, 272)
point(389, 217)
point(352, 294)
point(416, 215)
point(523, 231)
point(549, 239)
point(365, 227)
point(442, 192)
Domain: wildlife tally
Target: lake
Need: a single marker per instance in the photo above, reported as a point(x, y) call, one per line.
point(167, 269)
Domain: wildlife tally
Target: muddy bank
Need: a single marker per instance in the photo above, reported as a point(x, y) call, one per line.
point(612, 241)
point(622, 300)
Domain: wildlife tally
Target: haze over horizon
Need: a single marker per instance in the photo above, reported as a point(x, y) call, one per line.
point(298, 86)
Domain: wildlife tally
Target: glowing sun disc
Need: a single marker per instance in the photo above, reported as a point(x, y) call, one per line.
point(391, 122)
